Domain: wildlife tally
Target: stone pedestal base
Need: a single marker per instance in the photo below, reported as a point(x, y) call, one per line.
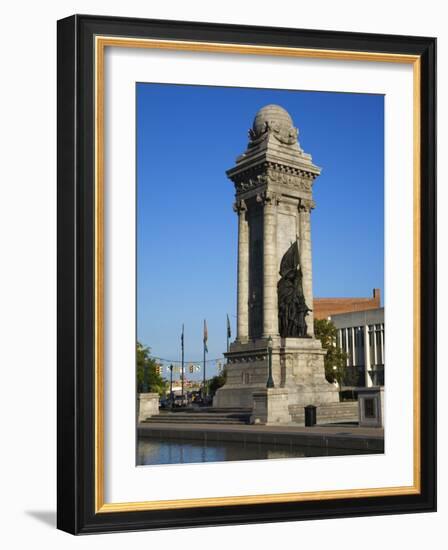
point(270, 406)
point(297, 368)
point(247, 372)
point(148, 405)
point(371, 407)
point(303, 373)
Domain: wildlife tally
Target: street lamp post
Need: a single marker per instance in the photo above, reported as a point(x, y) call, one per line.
point(270, 382)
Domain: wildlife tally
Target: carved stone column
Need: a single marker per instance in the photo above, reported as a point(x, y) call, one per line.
point(367, 379)
point(243, 273)
point(270, 267)
point(305, 207)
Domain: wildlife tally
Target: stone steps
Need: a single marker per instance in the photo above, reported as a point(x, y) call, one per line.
point(197, 417)
point(226, 422)
point(209, 410)
point(237, 416)
point(325, 414)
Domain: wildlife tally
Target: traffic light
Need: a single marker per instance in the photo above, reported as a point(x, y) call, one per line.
point(191, 368)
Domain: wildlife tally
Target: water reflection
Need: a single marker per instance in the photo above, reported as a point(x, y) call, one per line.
point(187, 451)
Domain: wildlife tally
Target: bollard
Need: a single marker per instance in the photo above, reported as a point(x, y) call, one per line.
point(310, 415)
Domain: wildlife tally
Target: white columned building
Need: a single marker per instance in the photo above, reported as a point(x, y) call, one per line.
point(361, 335)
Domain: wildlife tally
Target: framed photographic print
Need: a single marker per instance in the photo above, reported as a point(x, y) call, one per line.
point(246, 274)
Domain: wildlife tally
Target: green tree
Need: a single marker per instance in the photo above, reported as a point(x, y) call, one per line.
point(336, 359)
point(217, 382)
point(147, 367)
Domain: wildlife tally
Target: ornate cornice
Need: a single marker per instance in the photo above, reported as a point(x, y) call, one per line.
point(251, 181)
point(302, 181)
point(252, 358)
point(275, 173)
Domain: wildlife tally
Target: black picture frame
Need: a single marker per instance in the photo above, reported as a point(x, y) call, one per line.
point(76, 286)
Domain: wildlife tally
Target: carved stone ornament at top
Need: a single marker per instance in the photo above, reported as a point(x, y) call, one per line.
point(287, 136)
point(273, 120)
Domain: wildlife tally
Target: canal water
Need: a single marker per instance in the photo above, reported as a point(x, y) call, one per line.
point(151, 451)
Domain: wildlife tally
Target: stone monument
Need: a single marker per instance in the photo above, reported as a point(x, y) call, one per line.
point(274, 185)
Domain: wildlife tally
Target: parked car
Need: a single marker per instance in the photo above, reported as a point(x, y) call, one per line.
point(180, 401)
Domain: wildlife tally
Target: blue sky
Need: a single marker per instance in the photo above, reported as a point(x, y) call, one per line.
point(187, 137)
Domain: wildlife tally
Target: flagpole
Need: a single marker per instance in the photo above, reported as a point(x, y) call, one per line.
point(182, 339)
point(205, 351)
point(204, 371)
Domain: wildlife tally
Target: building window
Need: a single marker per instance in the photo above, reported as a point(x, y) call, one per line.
point(350, 347)
point(372, 344)
point(359, 346)
point(379, 351)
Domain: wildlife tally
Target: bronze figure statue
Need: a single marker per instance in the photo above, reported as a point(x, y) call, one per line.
point(292, 308)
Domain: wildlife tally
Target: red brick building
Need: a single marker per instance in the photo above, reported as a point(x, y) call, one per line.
point(325, 307)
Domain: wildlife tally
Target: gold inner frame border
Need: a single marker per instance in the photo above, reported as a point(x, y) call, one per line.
point(100, 44)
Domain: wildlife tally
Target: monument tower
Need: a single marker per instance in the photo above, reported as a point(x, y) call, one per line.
point(273, 182)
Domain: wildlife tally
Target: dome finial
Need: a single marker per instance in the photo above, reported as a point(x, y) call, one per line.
point(275, 119)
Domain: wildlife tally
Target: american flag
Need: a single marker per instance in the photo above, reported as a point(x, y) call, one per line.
point(205, 336)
